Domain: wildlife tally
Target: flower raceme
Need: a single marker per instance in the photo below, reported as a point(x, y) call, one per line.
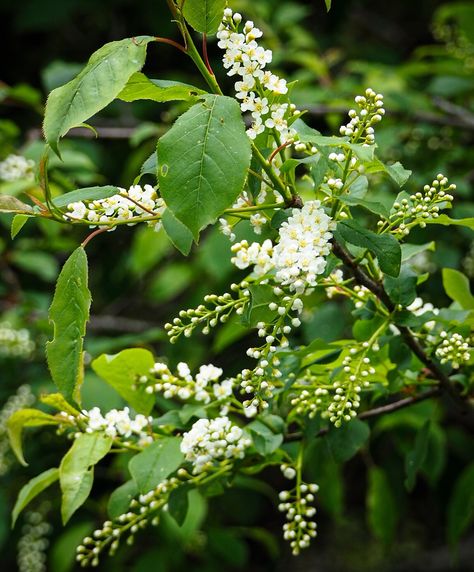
point(300, 254)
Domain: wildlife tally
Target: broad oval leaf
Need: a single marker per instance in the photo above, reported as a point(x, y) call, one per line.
point(204, 15)
point(120, 499)
point(456, 285)
point(69, 313)
point(25, 418)
point(97, 85)
point(150, 467)
point(385, 246)
point(204, 160)
point(76, 474)
point(177, 232)
point(139, 86)
point(345, 442)
point(121, 372)
point(32, 489)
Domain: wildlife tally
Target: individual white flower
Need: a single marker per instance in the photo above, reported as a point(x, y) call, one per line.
point(257, 221)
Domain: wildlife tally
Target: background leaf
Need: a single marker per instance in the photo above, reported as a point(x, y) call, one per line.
point(32, 489)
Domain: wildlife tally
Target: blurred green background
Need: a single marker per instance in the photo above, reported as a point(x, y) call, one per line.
point(420, 55)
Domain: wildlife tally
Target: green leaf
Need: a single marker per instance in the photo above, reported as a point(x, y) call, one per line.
point(32, 489)
point(261, 295)
point(122, 370)
point(402, 289)
point(411, 250)
point(121, 498)
point(10, 204)
point(344, 442)
point(204, 160)
point(25, 418)
point(416, 457)
point(204, 15)
point(18, 223)
point(382, 511)
point(57, 401)
point(445, 220)
point(461, 506)
point(86, 194)
point(384, 246)
point(69, 313)
point(328, 4)
point(178, 504)
point(97, 85)
point(456, 285)
point(396, 172)
point(140, 87)
point(150, 467)
point(177, 232)
point(76, 473)
point(264, 439)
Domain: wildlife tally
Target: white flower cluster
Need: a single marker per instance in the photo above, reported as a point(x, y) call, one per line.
point(33, 543)
point(15, 343)
point(422, 205)
point(299, 530)
point(127, 205)
point(22, 398)
point(299, 256)
point(259, 91)
point(213, 440)
point(360, 127)
point(116, 423)
point(454, 349)
point(16, 167)
point(203, 387)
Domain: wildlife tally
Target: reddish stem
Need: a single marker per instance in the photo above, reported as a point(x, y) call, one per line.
point(171, 43)
point(278, 149)
point(92, 235)
point(204, 53)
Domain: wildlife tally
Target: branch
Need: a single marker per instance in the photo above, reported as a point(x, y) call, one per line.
point(377, 288)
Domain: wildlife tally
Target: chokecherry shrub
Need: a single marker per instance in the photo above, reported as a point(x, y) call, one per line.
point(317, 233)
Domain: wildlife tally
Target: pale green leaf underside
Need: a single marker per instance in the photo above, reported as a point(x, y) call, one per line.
point(69, 313)
point(97, 85)
point(204, 160)
point(25, 418)
point(140, 87)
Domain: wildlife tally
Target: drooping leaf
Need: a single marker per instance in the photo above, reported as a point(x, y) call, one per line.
point(416, 457)
point(384, 246)
point(204, 15)
point(122, 371)
point(85, 194)
point(456, 285)
point(140, 87)
point(76, 473)
point(177, 232)
point(382, 511)
point(344, 442)
point(461, 506)
point(25, 418)
point(10, 204)
point(32, 489)
point(69, 313)
point(18, 223)
point(445, 220)
point(328, 4)
point(97, 85)
point(204, 160)
point(120, 499)
point(155, 463)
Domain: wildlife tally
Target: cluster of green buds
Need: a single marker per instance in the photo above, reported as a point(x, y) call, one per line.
point(217, 309)
point(414, 211)
point(295, 503)
point(310, 400)
point(142, 511)
point(454, 349)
